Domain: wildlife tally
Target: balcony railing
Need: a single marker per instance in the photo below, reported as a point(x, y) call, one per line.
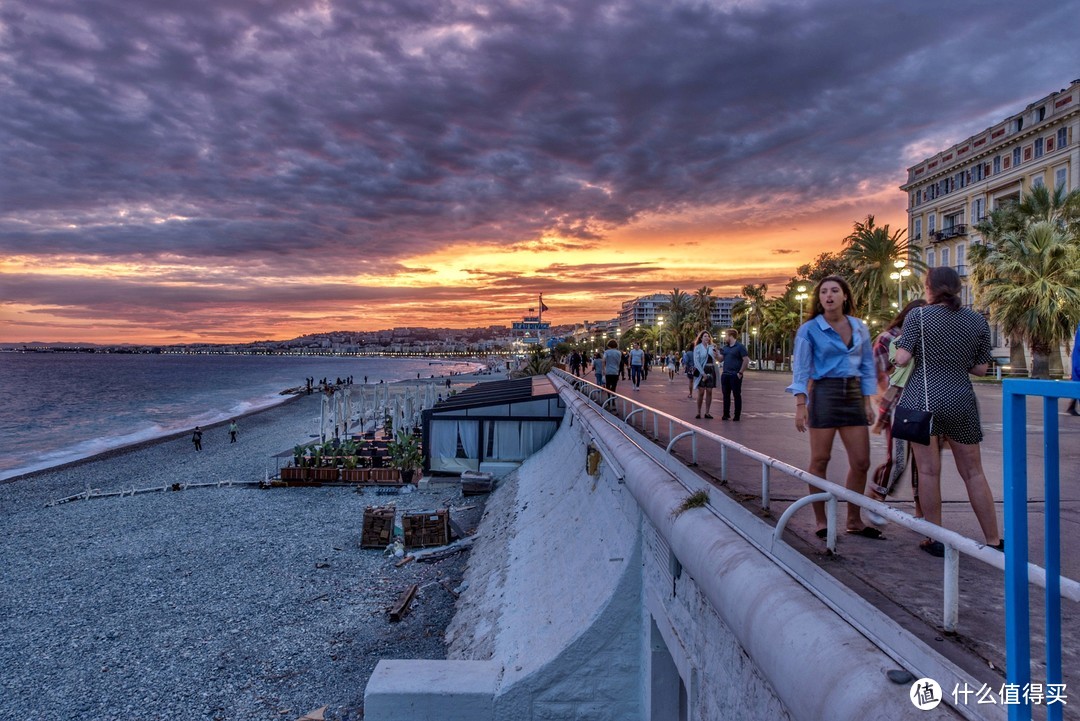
point(954, 231)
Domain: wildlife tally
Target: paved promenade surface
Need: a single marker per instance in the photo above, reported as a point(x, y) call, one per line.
point(894, 573)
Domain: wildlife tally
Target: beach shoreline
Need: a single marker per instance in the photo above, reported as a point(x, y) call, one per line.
point(295, 395)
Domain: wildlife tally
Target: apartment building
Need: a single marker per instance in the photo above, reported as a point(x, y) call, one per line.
point(951, 191)
point(647, 309)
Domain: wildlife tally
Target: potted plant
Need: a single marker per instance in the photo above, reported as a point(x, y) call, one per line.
point(296, 471)
point(405, 454)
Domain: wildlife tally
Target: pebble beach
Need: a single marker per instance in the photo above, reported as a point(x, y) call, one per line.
point(228, 603)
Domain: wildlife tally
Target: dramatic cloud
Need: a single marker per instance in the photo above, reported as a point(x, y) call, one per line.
point(269, 154)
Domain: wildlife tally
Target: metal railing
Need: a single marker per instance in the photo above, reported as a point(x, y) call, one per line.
point(831, 493)
point(1014, 395)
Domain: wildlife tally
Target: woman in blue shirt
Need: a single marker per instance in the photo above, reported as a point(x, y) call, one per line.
point(834, 368)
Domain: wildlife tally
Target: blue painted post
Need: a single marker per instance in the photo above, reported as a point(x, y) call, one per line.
point(1052, 559)
point(1017, 613)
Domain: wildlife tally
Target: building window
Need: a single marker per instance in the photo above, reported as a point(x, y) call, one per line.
point(997, 164)
point(1038, 147)
point(1006, 163)
point(1061, 178)
point(930, 258)
point(1037, 181)
point(1016, 156)
point(931, 224)
point(1062, 137)
point(944, 256)
point(918, 229)
point(978, 170)
point(1017, 125)
point(961, 251)
point(1040, 114)
point(977, 210)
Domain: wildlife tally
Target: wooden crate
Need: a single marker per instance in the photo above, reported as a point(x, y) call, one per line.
point(426, 529)
point(378, 528)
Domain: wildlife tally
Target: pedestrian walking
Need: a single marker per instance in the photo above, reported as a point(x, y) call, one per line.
point(598, 367)
point(706, 361)
point(233, 430)
point(833, 381)
point(637, 363)
point(736, 359)
point(948, 343)
point(613, 363)
point(196, 438)
point(688, 368)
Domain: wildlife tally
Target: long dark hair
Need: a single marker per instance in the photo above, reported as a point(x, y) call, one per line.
point(848, 305)
point(943, 286)
point(898, 321)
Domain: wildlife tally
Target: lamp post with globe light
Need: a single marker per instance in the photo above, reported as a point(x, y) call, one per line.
point(901, 273)
point(801, 296)
point(660, 335)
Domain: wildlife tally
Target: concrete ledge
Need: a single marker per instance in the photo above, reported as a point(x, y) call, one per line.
point(425, 689)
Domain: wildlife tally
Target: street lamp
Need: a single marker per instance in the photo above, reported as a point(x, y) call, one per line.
point(901, 273)
point(660, 335)
point(801, 296)
point(757, 350)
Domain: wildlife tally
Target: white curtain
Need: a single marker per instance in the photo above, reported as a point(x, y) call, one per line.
point(444, 442)
point(534, 435)
point(506, 443)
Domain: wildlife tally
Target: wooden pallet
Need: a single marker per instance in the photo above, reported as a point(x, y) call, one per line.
point(423, 530)
point(378, 528)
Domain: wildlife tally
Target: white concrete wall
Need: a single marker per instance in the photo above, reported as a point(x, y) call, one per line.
point(576, 608)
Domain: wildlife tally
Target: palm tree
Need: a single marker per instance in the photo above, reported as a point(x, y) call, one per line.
point(702, 304)
point(872, 252)
point(781, 321)
point(1057, 207)
point(679, 318)
point(1030, 280)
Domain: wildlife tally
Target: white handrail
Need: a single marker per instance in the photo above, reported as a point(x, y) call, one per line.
point(1070, 588)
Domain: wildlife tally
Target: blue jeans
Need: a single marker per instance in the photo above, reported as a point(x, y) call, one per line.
point(635, 375)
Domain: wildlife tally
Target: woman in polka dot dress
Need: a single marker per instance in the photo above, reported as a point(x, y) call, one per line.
point(947, 343)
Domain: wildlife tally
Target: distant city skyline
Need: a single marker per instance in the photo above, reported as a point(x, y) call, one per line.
point(225, 172)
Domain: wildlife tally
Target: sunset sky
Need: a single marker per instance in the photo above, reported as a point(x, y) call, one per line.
point(181, 170)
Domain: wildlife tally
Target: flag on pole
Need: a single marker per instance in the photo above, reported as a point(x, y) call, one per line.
point(542, 306)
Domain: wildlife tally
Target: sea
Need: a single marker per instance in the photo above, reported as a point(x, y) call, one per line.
point(62, 407)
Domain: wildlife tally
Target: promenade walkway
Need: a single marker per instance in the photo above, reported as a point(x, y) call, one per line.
point(894, 573)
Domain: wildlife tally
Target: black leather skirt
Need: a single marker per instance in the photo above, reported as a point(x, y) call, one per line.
point(835, 403)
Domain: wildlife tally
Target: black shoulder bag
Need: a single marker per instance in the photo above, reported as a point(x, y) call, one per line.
point(912, 424)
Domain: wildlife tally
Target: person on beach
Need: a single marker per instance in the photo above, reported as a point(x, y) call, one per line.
point(736, 359)
point(891, 381)
point(637, 363)
point(233, 430)
point(706, 361)
point(613, 363)
point(948, 343)
point(833, 381)
point(196, 438)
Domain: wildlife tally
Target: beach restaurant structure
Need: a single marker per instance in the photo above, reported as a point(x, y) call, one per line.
point(491, 427)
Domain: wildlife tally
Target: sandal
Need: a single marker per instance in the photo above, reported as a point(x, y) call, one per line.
point(934, 548)
point(868, 532)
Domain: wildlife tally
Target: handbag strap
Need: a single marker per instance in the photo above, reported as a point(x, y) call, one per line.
point(922, 342)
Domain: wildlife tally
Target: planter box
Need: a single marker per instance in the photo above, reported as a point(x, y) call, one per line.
point(354, 475)
point(385, 475)
point(325, 474)
point(293, 473)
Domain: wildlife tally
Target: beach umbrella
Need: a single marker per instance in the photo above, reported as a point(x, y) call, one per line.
point(322, 418)
point(410, 413)
point(397, 415)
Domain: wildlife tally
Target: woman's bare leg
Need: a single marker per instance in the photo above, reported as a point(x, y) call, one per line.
point(821, 442)
point(968, 457)
point(856, 440)
point(928, 459)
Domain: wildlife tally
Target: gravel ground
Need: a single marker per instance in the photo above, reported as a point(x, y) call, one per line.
point(228, 603)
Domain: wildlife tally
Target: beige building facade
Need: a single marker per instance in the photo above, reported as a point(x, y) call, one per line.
point(951, 191)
